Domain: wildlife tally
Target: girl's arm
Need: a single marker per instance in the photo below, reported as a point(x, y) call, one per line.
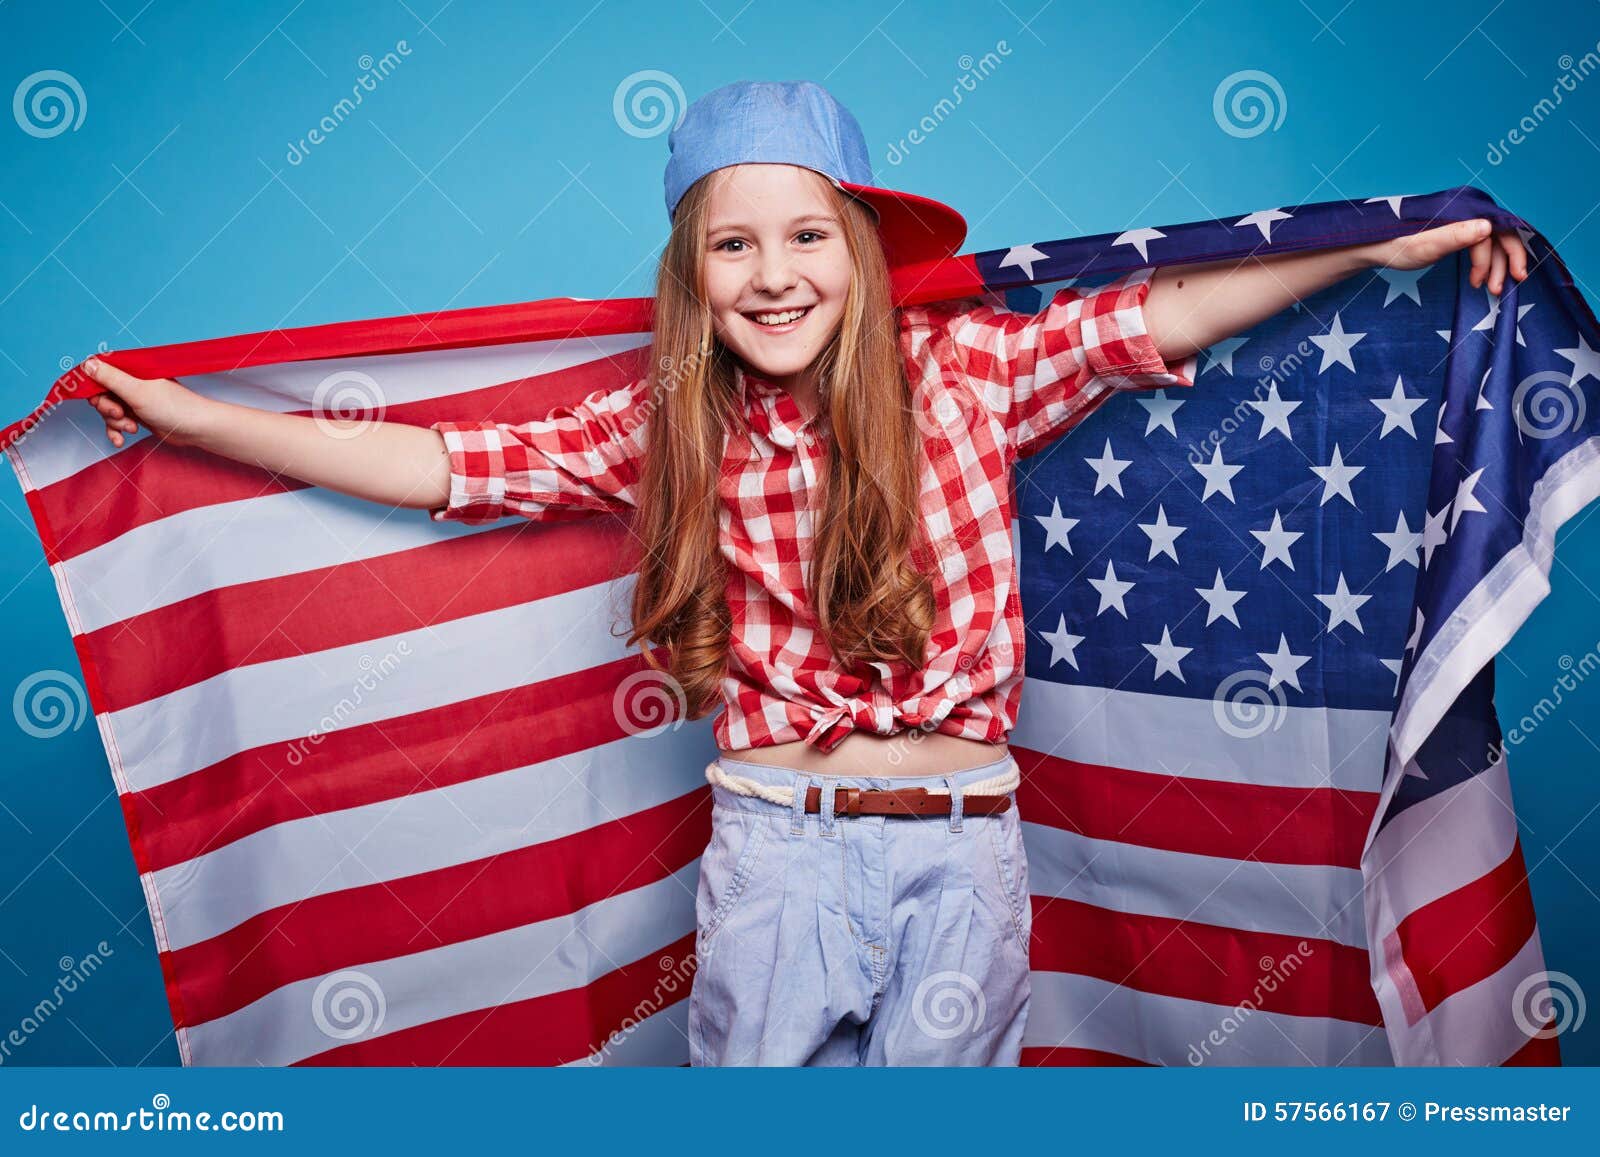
point(387, 462)
point(1191, 307)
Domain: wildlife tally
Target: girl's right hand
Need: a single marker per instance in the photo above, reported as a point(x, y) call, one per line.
point(166, 408)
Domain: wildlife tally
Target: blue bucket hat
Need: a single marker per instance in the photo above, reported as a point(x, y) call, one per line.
point(799, 123)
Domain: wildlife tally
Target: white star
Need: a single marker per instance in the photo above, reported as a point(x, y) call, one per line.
point(1111, 591)
point(1336, 478)
point(1394, 665)
point(1063, 644)
point(1108, 469)
point(1416, 633)
point(1336, 345)
point(1466, 502)
point(1585, 361)
point(1262, 219)
point(1433, 534)
point(1483, 402)
point(1023, 257)
point(1402, 542)
point(1221, 354)
point(1218, 475)
point(1397, 410)
point(1493, 314)
point(1413, 768)
point(1056, 526)
point(1283, 665)
point(1220, 600)
point(1342, 605)
point(1522, 312)
point(1139, 239)
point(1402, 283)
point(1439, 436)
point(1274, 413)
point(1168, 655)
point(1394, 202)
point(1276, 542)
point(1163, 535)
point(1160, 408)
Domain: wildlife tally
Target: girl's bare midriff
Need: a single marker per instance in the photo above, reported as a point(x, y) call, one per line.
point(864, 753)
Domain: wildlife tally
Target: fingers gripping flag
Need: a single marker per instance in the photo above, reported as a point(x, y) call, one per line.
point(398, 794)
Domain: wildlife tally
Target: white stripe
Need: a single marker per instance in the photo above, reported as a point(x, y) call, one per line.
point(228, 543)
point(534, 960)
point(429, 830)
point(1311, 747)
point(660, 1039)
point(1442, 843)
point(1284, 899)
point(1477, 1025)
point(1490, 614)
point(293, 698)
point(1085, 1012)
point(73, 436)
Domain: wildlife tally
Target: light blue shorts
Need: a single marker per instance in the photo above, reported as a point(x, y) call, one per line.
point(826, 939)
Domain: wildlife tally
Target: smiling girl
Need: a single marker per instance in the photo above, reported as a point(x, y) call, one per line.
point(821, 486)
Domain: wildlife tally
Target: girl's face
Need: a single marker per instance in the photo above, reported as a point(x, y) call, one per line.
point(774, 247)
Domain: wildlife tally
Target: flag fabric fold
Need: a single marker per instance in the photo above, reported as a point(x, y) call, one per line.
point(398, 795)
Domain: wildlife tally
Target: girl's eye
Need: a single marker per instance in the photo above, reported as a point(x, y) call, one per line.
point(809, 233)
point(723, 245)
point(730, 241)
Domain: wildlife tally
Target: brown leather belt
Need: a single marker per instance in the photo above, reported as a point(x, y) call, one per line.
point(909, 801)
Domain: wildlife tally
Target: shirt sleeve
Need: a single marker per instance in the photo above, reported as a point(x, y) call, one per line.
point(581, 457)
point(1043, 373)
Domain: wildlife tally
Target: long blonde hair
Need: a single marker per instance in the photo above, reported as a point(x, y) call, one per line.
point(868, 600)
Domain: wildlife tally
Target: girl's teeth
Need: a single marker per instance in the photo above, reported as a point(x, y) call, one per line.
point(779, 318)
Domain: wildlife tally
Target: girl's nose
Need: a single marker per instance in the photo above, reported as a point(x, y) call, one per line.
point(774, 274)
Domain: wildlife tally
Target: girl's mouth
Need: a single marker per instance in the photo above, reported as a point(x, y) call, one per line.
point(779, 321)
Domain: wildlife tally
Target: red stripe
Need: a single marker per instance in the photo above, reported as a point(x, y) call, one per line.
point(297, 614)
point(150, 481)
point(554, 1029)
point(1470, 933)
point(356, 926)
point(1061, 1056)
point(388, 758)
point(1539, 1051)
point(1205, 962)
point(1208, 817)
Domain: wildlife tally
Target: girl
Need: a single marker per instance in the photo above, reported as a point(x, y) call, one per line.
point(820, 483)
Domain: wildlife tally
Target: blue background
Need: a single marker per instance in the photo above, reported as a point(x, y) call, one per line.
point(489, 168)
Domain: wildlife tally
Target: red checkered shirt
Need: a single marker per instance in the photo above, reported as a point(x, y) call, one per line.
point(989, 385)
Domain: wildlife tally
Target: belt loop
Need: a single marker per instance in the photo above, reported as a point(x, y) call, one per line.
point(797, 812)
point(955, 802)
point(825, 808)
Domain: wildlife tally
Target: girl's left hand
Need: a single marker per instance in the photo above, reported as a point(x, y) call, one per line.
point(1492, 252)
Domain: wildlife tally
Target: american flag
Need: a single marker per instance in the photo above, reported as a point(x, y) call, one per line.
point(398, 794)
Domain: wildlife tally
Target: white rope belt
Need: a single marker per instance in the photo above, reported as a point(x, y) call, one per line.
point(1007, 781)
